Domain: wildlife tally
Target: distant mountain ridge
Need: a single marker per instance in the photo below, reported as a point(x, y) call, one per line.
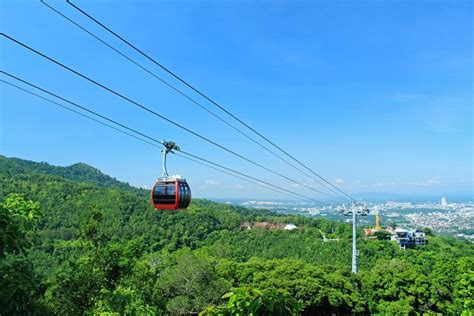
point(78, 172)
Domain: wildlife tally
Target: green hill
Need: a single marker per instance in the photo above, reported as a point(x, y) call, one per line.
point(78, 172)
point(94, 245)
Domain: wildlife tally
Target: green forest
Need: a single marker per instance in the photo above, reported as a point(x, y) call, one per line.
point(74, 241)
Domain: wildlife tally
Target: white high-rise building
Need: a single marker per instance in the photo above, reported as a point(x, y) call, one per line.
point(444, 202)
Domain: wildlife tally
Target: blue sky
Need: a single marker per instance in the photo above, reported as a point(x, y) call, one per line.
point(375, 95)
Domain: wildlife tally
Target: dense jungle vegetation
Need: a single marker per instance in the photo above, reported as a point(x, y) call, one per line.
point(75, 241)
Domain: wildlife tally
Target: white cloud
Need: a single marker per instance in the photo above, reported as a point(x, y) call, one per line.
point(235, 186)
point(432, 181)
point(212, 182)
point(428, 182)
point(384, 184)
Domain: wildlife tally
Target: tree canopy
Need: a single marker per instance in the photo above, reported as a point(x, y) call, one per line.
point(75, 241)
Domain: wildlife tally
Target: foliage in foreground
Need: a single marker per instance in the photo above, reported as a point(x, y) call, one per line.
point(250, 301)
point(101, 249)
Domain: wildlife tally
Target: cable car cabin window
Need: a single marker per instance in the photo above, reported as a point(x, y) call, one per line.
point(164, 193)
point(181, 195)
point(184, 195)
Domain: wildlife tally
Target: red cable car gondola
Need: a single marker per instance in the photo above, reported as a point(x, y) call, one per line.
point(170, 192)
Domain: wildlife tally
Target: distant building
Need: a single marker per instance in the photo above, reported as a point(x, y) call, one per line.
point(409, 238)
point(444, 202)
point(290, 227)
point(267, 225)
point(245, 225)
point(370, 232)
